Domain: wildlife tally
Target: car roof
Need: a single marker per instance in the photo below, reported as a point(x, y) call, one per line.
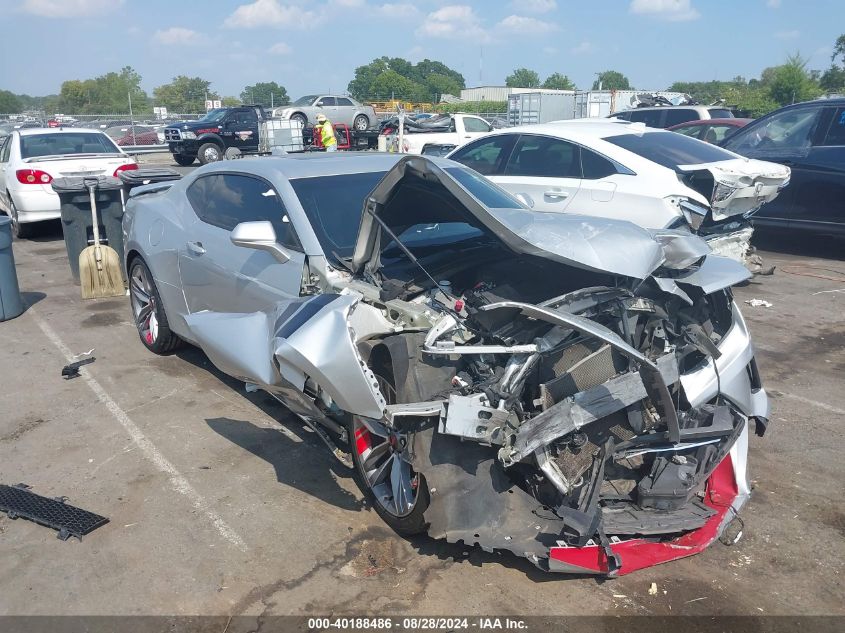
point(295, 166)
point(737, 122)
point(583, 128)
point(55, 130)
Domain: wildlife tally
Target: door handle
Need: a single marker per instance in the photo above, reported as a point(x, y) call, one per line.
point(196, 248)
point(563, 195)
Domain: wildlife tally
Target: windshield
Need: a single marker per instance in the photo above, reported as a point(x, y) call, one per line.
point(215, 115)
point(334, 205)
point(307, 100)
point(66, 143)
point(670, 149)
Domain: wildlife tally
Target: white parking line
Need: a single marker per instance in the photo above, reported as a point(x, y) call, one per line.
point(177, 480)
point(815, 403)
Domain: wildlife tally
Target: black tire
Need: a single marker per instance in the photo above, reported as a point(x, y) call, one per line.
point(303, 120)
point(209, 153)
point(20, 231)
point(152, 326)
point(184, 160)
point(405, 524)
point(361, 122)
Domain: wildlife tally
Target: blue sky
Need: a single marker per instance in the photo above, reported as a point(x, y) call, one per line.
point(314, 46)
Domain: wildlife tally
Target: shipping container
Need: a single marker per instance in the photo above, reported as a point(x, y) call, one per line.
point(540, 107)
point(602, 103)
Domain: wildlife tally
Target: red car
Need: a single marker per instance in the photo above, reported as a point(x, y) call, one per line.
point(139, 138)
point(710, 130)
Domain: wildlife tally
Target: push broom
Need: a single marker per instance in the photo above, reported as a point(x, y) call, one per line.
point(99, 266)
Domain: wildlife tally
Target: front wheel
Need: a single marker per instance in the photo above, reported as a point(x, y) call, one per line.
point(384, 473)
point(209, 153)
point(361, 123)
point(148, 311)
point(184, 160)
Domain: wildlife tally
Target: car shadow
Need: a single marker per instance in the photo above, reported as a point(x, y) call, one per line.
point(799, 243)
point(307, 465)
point(302, 465)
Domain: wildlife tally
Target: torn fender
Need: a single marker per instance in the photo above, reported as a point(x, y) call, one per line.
point(280, 349)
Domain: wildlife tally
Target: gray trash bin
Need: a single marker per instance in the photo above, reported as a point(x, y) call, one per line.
point(76, 215)
point(11, 302)
point(132, 178)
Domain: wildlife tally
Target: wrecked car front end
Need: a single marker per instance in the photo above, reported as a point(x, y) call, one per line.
point(574, 390)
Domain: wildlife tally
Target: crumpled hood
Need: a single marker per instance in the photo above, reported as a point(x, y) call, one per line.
point(741, 185)
point(597, 244)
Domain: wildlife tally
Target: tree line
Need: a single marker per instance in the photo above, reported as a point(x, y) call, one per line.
point(425, 81)
point(111, 94)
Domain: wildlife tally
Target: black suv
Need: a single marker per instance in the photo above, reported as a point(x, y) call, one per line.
point(810, 139)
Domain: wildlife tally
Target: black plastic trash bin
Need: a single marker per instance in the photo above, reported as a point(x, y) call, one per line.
point(11, 303)
point(76, 215)
point(148, 176)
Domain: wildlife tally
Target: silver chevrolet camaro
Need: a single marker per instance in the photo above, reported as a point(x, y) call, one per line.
point(575, 390)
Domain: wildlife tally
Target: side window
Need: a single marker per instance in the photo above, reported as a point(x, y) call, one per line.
point(625, 116)
point(472, 124)
point(327, 101)
point(542, 156)
point(342, 101)
point(650, 117)
point(595, 166)
point(784, 132)
point(246, 118)
point(485, 156)
point(226, 200)
point(5, 146)
point(718, 133)
point(690, 130)
point(835, 133)
point(679, 115)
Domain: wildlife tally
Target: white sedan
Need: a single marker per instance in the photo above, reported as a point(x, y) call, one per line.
point(30, 159)
point(616, 169)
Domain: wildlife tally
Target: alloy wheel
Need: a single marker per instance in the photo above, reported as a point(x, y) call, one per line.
point(143, 304)
point(385, 462)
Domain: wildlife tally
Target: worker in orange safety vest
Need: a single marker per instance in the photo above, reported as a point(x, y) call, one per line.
point(326, 131)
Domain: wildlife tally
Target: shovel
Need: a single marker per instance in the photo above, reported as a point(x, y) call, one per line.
point(99, 266)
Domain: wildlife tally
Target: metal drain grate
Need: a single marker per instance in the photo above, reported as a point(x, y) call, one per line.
point(17, 501)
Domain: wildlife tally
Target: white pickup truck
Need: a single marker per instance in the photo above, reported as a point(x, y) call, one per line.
point(440, 134)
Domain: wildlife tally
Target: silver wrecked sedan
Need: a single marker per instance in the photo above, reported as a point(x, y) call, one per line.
point(575, 390)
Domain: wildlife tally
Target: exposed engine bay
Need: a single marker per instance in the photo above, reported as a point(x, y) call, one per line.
point(576, 399)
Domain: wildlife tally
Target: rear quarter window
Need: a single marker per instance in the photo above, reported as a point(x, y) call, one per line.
point(669, 149)
point(679, 115)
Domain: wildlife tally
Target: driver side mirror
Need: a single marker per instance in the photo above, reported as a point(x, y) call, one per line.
point(260, 236)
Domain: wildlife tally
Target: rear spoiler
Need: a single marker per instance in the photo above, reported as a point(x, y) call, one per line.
point(156, 187)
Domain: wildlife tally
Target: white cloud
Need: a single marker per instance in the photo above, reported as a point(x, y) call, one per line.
point(788, 35)
point(280, 49)
point(534, 6)
point(398, 11)
point(523, 24)
point(177, 35)
point(353, 4)
point(69, 8)
point(670, 10)
point(268, 13)
point(549, 50)
point(773, 4)
point(455, 21)
point(583, 48)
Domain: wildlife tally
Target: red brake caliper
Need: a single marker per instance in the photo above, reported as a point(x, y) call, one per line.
point(362, 440)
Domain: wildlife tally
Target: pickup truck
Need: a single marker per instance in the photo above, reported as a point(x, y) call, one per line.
point(447, 130)
point(209, 138)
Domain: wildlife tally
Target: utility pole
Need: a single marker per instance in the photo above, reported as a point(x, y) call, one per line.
point(131, 118)
point(271, 100)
